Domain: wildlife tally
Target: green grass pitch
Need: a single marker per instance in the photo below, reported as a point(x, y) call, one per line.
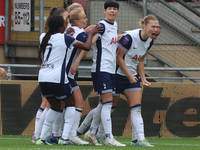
point(24, 143)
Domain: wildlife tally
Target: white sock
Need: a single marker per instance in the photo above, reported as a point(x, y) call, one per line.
point(75, 125)
point(137, 121)
point(96, 119)
point(100, 132)
point(86, 122)
point(106, 119)
point(134, 135)
point(50, 117)
point(113, 109)
point(69, 119)
point(40, 123)
point(49, 133)
point(37, 118)
point(56, 124)
point(62, 122)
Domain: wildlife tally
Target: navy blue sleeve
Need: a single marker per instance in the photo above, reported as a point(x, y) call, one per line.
point(69, 41)
point(125, 42)
point(82, 37)
point(101, 24)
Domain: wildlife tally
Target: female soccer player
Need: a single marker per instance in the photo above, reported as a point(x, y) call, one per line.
point(103, 73)
point(53, 79)
point(78, 21)
point(74, 6)
point(133, 47)
point(44, 107)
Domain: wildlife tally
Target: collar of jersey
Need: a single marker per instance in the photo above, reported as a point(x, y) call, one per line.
point(141, 37)
point(54, 33)
point(108, 22)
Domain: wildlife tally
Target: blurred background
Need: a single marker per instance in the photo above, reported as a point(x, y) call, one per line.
point(177, 46)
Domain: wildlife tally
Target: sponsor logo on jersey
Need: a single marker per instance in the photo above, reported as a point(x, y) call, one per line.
point(45, 65)
point(114, 40)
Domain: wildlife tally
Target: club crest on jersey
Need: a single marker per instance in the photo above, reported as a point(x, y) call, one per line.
point(114, 41)
point(125, 41)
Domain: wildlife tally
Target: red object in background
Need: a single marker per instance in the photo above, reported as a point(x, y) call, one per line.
point(82, 2)
point(2, 21)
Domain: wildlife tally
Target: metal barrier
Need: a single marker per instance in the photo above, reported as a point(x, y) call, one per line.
point(177, 46)
point(89, 68)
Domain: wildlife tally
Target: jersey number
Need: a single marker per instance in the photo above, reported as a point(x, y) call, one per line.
point(49, 46)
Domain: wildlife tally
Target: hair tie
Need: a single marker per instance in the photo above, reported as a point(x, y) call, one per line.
point(62, 10)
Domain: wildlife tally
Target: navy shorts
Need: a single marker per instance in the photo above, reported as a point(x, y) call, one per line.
point(103, 82)
point(73, 83)
point(123, 85)
point(60, 91)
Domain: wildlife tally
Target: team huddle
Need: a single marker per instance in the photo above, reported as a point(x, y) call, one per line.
point(118, 67)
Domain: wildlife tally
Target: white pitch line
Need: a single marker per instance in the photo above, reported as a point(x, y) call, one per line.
point(49, 149)
point(177, 144)
point(170, 144)
point(36, 149)
point(15, 138)
point(197, 145)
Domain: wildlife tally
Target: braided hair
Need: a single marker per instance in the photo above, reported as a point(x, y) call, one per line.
point(54, 23)
point(53, 11)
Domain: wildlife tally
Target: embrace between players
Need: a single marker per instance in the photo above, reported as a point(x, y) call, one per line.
point(60, 56)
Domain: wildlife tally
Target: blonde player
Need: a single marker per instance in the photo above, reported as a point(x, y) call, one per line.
point(133, 47)
point(78, 21)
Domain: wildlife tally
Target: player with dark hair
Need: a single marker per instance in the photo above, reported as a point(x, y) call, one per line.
point(103, 74)
point(52, 77)
point(44, 107)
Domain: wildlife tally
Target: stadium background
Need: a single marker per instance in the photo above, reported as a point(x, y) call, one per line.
point(170, 107)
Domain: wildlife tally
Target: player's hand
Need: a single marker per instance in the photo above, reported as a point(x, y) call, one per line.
point(89, 28)
point(74, 68)
point(146, 83)
point(96, 29)
point(132, 79)
point(3, 72)
point(70, 31)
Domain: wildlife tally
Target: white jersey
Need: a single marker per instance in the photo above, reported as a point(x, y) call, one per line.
point(69, 25)
point(135, 48)
point(72, 54)
point(54, 62)
point(104, 50)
